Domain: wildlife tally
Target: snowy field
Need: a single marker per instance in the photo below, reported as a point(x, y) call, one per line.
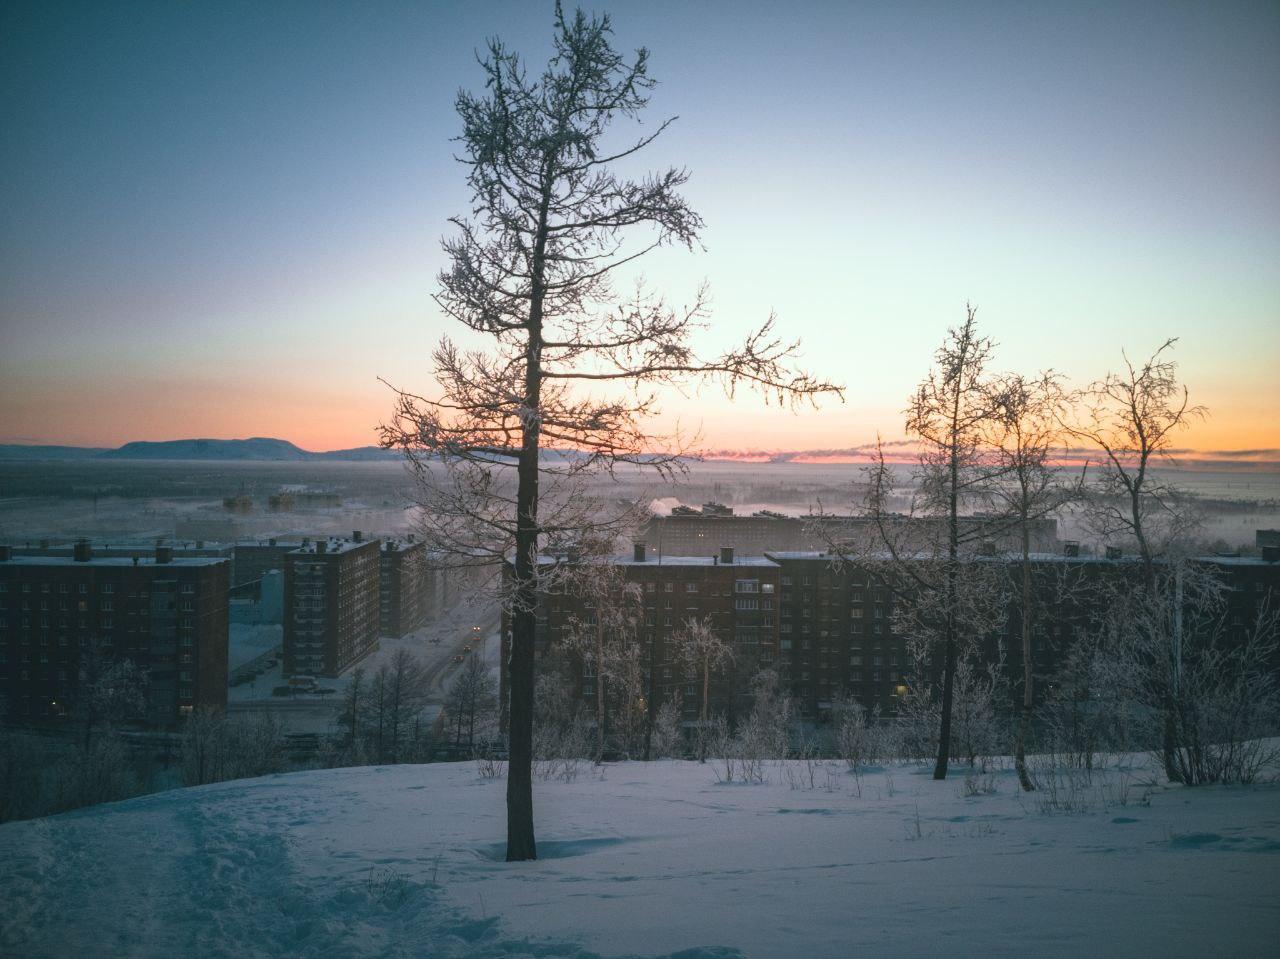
point(649, 860)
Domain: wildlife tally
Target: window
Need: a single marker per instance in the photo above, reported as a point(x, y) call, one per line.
point(747, 586)
point(108, 588)
point(690, 587)
point(668, 587)
point(650, 587)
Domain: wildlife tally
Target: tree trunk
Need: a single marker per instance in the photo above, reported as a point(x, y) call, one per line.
point(520, 838)
point(1024, 720)
point(648, 704)
point(706, 709)
point(599, 690)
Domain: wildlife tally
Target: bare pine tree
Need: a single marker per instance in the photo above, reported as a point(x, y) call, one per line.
point(533, 269)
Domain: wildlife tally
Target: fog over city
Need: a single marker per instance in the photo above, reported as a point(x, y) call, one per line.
point(727, 480)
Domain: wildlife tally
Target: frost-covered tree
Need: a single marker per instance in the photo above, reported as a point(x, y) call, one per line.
point(1023, 432)
point(703, 650)
point(1130, 418)
point(606, 637)
point(471, 703)
point(571, 365)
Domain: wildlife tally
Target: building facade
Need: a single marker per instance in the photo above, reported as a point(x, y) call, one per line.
point(59, 614)
point(331, 605)
point(404, 586)
point(829, 630)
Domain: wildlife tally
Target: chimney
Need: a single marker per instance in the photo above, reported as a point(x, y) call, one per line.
point(356, 536)
point(164, 554)
point(1114, 552)
point(1071, 548)
point(82, 552)
point(6, 553)
point(638, 554)
point(726, 555)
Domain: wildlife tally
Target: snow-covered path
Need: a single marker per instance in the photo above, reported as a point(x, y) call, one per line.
point(646, 859)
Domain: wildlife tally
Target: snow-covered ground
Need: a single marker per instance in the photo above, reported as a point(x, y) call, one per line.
point(247, 641)
point(648, 859)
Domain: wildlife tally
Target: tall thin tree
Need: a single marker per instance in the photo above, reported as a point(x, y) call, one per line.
point(1022, 434)
point(533, 270)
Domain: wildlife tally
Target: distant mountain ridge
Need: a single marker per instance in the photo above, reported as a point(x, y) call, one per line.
point(257, 449)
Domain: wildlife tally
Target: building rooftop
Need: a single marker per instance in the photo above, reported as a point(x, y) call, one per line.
point(113, 561)
point(332, 546)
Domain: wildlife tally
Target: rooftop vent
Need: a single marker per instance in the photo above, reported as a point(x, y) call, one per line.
point(6, 553)
point(1270, 554)
point(357, 536)
point(164, 554)
point(82, 552)
point(1114, 552)
point(638, 552)
point(1071, 548)
point(726, 555)
point(321, 547)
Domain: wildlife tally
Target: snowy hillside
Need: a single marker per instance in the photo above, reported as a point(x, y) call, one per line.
point(656, 859)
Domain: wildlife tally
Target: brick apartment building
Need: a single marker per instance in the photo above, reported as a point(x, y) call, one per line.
point(167, 614)
point(331, 605)
point(828, 627)
point(739, 595)
point(404, 586)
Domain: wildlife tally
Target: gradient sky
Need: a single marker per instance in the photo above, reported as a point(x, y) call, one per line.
point(223, 219)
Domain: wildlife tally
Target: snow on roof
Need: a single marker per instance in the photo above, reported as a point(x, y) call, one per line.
point(114, 561)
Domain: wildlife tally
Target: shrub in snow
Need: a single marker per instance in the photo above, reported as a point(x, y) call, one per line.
point(667, 740)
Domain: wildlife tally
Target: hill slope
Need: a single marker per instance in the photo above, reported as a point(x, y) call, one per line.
point(647, 859)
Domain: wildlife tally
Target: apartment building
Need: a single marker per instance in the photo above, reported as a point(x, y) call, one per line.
point(738, 595)
point(404, 585)
point(331, 605)
point(166, 613)
point(828, 627)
